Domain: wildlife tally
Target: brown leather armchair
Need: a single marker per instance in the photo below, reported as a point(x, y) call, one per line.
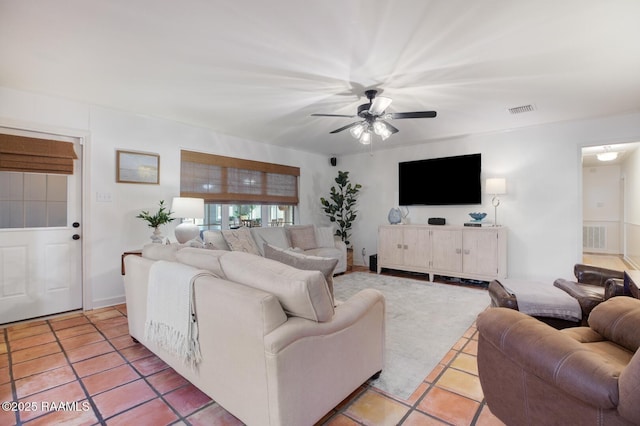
point(532, 373)
point(593, 285)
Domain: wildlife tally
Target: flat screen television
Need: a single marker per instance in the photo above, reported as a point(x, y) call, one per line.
point(440, 181)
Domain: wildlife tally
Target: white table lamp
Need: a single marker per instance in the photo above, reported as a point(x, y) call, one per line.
point(189, 209)
point(495, 186)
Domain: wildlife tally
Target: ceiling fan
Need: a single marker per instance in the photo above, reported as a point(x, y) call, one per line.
point(374, 118)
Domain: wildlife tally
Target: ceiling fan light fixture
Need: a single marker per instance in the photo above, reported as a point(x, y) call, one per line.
point(356, 131)
point(365, 138)
point(381, 130)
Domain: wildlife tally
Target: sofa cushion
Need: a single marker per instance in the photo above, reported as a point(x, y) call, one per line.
point(156, 251)
point(202, 259)
point(275, 236)
point(241, 240)
point(325, 265)
point(301, 293)
point(215, 240)
point(302, 236)
point(324, 237)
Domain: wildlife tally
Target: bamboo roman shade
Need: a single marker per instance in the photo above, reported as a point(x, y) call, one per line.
point(23, 154)
point(226, 179)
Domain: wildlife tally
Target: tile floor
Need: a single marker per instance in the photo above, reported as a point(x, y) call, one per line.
point(84, 369)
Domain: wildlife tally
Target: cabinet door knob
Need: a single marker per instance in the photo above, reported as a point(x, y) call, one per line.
point(467, 251)
point(458, 251)
point(399, 246)
point(406, 247)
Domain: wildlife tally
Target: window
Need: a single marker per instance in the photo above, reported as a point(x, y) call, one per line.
point(230, 216)
point(32, 200)
point(239, 192)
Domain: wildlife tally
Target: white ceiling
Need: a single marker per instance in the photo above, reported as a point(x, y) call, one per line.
point(257, 69)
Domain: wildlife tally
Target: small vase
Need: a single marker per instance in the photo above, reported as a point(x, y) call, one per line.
point(156, 237)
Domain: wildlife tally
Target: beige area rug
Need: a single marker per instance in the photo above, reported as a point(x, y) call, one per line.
point(424, 320)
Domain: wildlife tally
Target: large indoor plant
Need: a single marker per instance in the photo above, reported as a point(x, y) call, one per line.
point(340, 207)
point(162, 216)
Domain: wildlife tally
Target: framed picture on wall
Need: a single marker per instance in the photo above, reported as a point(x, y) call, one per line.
point(137, 167)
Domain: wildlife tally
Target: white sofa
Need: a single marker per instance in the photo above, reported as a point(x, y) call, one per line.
point(309, 240)
point(276, 349)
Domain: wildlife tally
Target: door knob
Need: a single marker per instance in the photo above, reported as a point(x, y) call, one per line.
point(76, 237)
point(75, 225)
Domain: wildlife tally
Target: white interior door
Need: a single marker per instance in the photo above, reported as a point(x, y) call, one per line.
point(40, 245)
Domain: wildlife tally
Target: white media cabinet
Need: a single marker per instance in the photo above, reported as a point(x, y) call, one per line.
point(478, 253)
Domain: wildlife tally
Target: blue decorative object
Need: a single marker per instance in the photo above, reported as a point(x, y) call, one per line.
point(477, 217)
point(395, 216)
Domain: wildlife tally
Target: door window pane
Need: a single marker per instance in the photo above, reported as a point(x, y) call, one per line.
point(32, 200)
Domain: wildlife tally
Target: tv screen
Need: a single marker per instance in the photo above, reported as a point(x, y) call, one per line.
point(440, 181)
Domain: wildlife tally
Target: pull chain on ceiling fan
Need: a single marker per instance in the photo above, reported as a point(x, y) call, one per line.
point(374, 118)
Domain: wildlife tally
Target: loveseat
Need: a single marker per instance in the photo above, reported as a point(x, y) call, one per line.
point(275, 348)
point(592, 285)
point(533, 374)
point(309, 240)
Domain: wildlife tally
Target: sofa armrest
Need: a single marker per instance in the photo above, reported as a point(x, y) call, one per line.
point(340, 245)
point(588, 295)
point(595, 275)
point(614, 287)
point(558, 360)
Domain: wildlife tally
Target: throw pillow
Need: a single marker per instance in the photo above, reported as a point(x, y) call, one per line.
point(324, 237)
point(306, 263)
point(303, 237)
point(240, 240)
point(215, 240)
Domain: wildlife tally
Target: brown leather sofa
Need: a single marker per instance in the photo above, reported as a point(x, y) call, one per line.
point(533, 374)
point(592, 286)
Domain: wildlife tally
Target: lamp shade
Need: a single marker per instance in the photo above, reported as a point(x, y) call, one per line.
point(496, 186)
point(192, 208)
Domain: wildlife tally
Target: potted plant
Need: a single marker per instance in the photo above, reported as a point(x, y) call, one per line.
point(162, 216)
point(340, 209)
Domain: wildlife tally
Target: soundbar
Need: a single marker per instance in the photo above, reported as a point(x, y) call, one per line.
point(437, 221)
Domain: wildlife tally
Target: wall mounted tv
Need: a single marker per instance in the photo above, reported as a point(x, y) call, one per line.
point(440, 181)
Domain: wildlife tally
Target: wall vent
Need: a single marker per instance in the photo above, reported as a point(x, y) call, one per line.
point(521, 109)
point(594, 237)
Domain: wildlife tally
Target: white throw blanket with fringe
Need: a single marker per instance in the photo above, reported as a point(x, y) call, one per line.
point(171, 322)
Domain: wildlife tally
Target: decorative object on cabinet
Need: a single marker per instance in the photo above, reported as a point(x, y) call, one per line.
point(477, 217)
point(137, 167)
point(161, 217)
point(394, 216)
point(496, 186)
point(189, 209)
point(340, 205)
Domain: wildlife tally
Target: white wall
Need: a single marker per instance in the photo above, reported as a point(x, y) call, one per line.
point(110, 228)
point(543, 204)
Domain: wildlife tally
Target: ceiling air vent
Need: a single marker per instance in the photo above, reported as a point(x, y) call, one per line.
point(521, 109)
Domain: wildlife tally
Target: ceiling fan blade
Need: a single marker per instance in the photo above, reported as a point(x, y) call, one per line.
point(417, 114)
point(390, 127)
point(379, 104)
point(348, 126)
point(332, 115)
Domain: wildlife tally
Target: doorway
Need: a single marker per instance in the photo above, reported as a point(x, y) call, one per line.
point(606, 171)
point(40, 236)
